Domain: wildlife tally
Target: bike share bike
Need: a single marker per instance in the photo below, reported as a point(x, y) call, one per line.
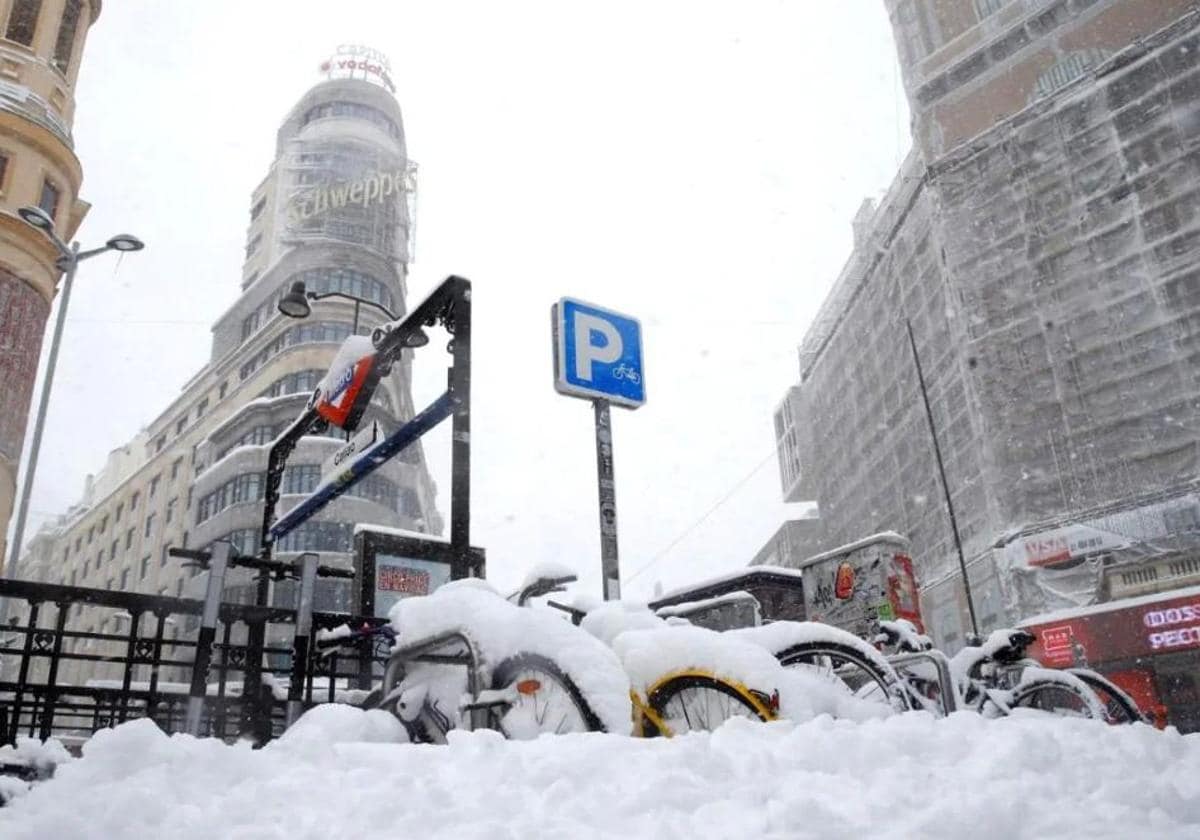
point(465, 658)
point(996, 677)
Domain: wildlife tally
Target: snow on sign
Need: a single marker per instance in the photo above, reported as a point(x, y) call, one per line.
point(598, 354)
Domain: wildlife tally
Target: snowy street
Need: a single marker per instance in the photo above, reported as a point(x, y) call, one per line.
point(906, 776)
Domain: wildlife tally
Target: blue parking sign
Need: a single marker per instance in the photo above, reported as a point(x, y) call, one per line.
point(598, 354)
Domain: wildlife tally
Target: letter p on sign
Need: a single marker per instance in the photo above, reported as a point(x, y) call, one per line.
point(597, 354)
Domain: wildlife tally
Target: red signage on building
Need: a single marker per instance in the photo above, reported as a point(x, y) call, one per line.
point(1148, 627)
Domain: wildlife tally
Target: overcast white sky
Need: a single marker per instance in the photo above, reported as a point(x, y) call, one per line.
point(695, 164)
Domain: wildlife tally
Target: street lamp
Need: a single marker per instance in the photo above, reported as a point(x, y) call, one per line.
point(295, 304)
point(69, 258)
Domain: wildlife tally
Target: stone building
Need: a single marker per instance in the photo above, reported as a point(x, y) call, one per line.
point(194, 475)
point(1043, 240)
point(41, 46)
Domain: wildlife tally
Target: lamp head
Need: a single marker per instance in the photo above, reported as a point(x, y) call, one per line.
point(295, 304)
point(125, 242)
point(37, 217)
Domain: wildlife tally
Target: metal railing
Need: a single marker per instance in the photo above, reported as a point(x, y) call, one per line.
point(74, 660)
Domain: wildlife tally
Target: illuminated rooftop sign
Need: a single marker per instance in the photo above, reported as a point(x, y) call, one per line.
point(354, 61)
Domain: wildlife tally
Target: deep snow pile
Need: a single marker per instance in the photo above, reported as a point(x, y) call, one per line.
point(903, 776)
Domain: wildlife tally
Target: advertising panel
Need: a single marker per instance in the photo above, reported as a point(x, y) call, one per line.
point(399, 577)
point(391, 564)
point(1166, 623)
point(858, 585)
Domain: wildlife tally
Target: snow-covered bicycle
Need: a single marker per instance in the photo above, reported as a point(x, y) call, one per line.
point(996, 677)
point(466, 658)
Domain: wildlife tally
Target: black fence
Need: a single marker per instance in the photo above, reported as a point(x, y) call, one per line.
point(75, 660)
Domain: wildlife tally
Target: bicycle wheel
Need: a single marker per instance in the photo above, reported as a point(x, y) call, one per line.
point(864, 675)
point(698, 702)
point(1057, 697)
point(546, 699)
point(1118, 706)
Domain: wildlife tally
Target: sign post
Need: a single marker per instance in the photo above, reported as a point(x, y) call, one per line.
point(609, 564)
point(598, 357)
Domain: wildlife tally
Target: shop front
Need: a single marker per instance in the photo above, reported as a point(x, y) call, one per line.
point(1149, 646)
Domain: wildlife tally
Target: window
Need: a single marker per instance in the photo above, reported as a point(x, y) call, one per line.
point(149, 524)
point(120, 510)
point(116, 544)
point(99, 558)
point(3, 170)
point(986, 8)
point(242, 488)
point(129, 539)
point(223, 390)
point(180, 424)
point(133, 500)
point(188, 505)
point(64, 45)
point(125, 579)
point(354, 110)
point(49, 201)
point(179, 588)
point(165, 555)
point(160, 443)
point(175, 468)
point(73, 577)
point(78, 543)
point(154, 486)
point(171, 509)
point(145, 566)
point(91, 534)
point(1068, 70)
point(22, 22)
point(201, 408)
point(103, 524)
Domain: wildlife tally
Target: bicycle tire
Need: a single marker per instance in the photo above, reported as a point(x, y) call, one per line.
point(1056, 697)
point(545, 672)
point(1119, 707)
point(672, 689)
point(882, 675)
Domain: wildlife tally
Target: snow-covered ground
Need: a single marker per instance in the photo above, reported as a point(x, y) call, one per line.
point(335, 774)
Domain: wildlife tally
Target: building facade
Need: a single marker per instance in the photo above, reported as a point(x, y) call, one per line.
point(41, 46)
point(334, 211)
point(1043, 241)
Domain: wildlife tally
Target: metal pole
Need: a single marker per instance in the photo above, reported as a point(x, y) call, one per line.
point(204, 641)
point(40, 423)
point(609, 564)
point(300, 643)
point(937, 451)
point(353, 331)
point(460, 434)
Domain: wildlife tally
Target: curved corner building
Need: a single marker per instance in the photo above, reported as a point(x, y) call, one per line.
point(41, 44)
point(334, 212)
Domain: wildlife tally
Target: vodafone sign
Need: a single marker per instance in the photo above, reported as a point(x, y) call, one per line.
point(351, 61)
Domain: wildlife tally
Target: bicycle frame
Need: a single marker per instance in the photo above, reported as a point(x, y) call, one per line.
point(425, 650)
point(948, 693)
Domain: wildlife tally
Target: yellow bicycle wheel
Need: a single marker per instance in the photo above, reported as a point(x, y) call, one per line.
point(699, 701)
